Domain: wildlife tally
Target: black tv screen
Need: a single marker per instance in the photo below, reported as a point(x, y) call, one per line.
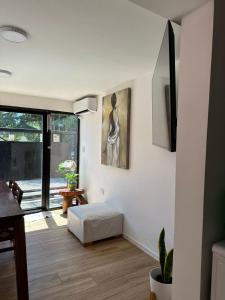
point(164, 111)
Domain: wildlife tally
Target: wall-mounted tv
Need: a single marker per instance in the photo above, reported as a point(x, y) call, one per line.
point(164, 103)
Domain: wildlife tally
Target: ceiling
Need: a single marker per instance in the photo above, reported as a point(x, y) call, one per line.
point(170, 9)
point(78, 47)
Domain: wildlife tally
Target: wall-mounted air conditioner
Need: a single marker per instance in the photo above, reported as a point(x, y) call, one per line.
point(85, 106)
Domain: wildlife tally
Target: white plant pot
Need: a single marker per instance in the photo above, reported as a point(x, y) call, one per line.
point(163, 291)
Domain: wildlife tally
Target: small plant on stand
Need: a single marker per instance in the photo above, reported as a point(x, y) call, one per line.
point(67, 169)
point(71, 181)
point(161, 278)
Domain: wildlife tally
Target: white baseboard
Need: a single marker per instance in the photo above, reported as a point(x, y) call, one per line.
point(142, 247)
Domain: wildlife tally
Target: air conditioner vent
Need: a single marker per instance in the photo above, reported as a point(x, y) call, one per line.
point(85, 106)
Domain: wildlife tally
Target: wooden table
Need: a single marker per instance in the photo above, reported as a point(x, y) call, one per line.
point(11, 215)
point(68, 197)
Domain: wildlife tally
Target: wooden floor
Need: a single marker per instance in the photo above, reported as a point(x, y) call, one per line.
point(60, 268)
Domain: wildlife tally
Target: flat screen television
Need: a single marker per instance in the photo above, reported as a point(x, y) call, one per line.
point(164, 103)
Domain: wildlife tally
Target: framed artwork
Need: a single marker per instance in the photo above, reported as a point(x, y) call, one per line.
point(116, 129)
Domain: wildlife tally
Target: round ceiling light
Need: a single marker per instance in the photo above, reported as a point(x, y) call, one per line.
point(13, 34)
point(5, 74)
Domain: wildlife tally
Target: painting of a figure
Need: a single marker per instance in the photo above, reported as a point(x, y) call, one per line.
point(116, 129)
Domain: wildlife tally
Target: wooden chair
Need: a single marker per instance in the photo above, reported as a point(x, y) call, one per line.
point(16, 190)
point(7, 234)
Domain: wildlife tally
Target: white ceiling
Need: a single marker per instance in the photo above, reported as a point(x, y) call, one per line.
point(78, 47)
point(170, 9)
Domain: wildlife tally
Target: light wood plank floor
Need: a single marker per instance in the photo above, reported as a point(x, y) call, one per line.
point(60, 268)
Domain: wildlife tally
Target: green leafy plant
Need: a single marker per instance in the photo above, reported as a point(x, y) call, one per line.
point(165, 259)
point(67, 169)
point(71, 177)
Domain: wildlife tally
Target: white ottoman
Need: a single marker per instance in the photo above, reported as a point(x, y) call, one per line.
point(93, 222)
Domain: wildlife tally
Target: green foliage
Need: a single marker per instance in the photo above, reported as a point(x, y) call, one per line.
point(14, 121)
point(162, 251)
point(71, 177)
point(166, 260)
point(20, 120)
point(61, 169)
point(31, 125)
point(168, 268)
point(68, 173)
point(64, 122)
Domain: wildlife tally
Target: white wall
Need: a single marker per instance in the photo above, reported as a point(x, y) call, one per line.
point(194, 86)
point(35, 102)
point(146, 192)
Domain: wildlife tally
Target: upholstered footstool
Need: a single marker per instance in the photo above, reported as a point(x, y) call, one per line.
point(93, 222)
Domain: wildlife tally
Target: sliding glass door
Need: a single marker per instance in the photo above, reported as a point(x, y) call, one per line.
point(32, 145)
point(21, 154)
point(64, 129)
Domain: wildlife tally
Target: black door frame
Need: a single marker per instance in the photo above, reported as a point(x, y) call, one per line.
point(46, 148)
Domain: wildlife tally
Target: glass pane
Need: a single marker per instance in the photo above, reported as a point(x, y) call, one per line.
point(64, 145)
point(164, 86)
point(21, 154)
point(160, 89)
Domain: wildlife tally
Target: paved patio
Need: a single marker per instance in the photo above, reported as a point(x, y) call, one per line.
point(33, 189)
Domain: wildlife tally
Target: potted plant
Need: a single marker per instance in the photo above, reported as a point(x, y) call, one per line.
point(161, 278)
point(67, 169)
point(71, 181)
